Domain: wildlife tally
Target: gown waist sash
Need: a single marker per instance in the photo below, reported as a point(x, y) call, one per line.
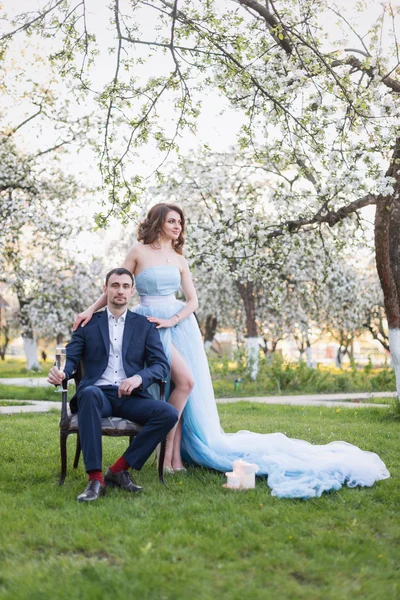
point(157, 300)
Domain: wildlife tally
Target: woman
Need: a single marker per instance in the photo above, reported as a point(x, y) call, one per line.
point(295, 468)
point(160, 269)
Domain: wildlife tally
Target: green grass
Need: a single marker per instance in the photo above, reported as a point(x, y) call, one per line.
point(192, 539)
point(14, 392)
point(16, 367)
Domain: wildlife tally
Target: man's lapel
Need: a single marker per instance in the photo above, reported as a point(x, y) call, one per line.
point(103, 325)
point(128, 331)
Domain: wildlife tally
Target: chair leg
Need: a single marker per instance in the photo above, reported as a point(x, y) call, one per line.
point(77, 451)
point(156, 455)
point(63, 453)
point(161, 457)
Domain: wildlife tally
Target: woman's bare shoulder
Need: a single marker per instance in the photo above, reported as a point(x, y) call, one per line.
point(183, 263)
point(135, 250)
point(133, 255)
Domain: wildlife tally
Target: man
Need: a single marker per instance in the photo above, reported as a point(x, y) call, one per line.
point(115, 346)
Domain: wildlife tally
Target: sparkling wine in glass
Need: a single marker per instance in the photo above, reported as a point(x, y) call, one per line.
point(61, 359)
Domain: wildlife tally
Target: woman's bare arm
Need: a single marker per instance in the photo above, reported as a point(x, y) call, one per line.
point(188, 288)
point(84, 317)
point(131, 259)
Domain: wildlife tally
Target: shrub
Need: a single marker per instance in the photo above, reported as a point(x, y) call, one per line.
point(279, 375)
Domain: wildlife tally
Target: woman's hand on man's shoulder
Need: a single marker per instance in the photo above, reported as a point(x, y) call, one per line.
point(82, 319)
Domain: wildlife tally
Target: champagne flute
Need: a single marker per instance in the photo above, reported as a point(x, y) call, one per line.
point(61, 359)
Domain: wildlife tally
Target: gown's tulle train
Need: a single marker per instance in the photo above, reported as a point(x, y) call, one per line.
point(295, 468)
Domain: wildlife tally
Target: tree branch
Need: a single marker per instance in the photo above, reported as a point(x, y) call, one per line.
point(164, 45)
point(10, 133)
point(114, 85)
point(272, 23)
point(356, 63)
point(30, 23)
point(55, 147)
point(330, 217)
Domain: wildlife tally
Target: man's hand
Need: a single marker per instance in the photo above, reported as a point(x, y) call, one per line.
point(55, 376)
point(127, 386)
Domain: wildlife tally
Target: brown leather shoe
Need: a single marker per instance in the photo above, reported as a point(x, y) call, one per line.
point(93, 491)
point(122, 480)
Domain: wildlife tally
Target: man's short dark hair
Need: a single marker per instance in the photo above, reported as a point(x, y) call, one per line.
point(119, 271)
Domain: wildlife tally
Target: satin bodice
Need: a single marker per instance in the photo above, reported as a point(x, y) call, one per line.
point(162, 280)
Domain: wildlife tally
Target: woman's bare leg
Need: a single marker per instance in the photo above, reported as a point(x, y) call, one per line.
point(183, 382)
point(176, 449)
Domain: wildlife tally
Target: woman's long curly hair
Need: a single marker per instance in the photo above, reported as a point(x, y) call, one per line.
point(151, 228)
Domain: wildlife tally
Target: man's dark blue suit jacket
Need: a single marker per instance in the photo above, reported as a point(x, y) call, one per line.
point(142, 351)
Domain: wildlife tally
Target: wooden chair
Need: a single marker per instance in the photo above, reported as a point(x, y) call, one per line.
point(111, 426)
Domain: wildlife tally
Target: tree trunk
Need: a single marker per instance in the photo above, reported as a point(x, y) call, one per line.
point(376, 327)
point(339, 357)
point(210, 329)
point(387, 254)
point(59, 339)
point(28, 336)
point(268, 353)
point(265, 347)
point(246, 291)
point(30, 348)
point(301, 347)
point(4, 330)
point(309, 362)
point(341, 352)
point(253, 351)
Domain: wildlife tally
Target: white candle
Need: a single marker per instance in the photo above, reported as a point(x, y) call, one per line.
point(233, 480)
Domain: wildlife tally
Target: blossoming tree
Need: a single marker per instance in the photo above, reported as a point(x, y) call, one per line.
point(345, 306)
point(35, 263)
point(320, 101)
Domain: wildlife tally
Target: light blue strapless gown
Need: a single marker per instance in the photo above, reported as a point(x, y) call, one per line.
point(295, 468)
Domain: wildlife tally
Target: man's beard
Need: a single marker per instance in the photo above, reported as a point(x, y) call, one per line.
point(122, 302)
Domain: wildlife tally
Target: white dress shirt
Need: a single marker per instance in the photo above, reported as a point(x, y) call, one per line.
point(115, 372)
